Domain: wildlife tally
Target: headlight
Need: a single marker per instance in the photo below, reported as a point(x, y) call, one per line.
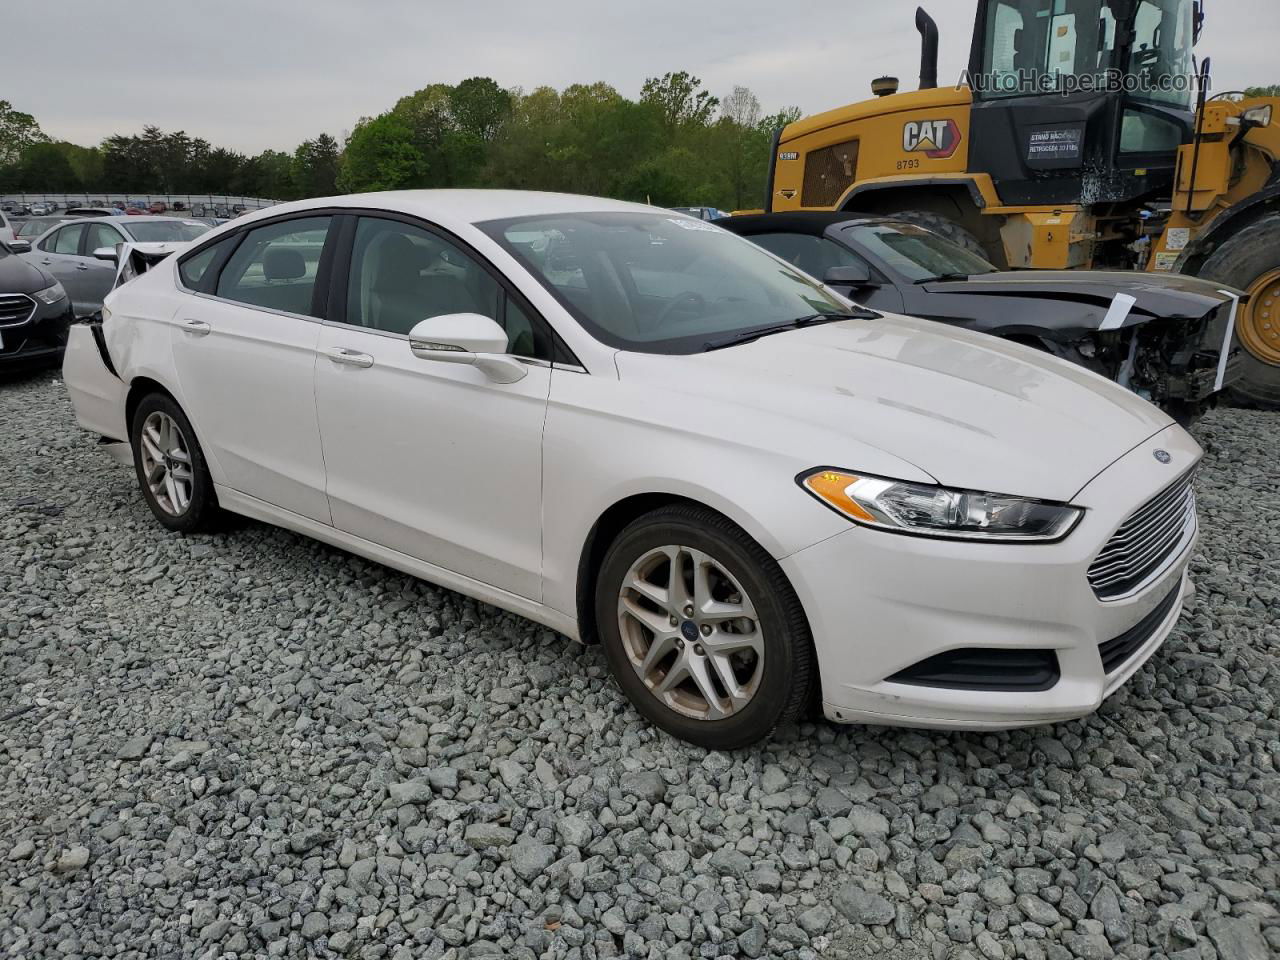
point(1259, 115)
point(51, 295)
point(924, 510)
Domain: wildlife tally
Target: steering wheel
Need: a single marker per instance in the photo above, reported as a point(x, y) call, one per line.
point(688, 299)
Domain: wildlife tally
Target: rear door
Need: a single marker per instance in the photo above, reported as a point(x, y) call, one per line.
point(59, 254)
point(244, 344)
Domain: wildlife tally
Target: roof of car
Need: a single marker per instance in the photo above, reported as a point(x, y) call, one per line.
point(474, 206)
point(810, 222)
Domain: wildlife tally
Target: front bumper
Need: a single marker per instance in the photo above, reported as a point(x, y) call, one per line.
point(879, 603)
point(39, 339)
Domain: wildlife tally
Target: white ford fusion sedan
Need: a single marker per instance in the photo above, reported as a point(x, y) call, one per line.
point(638, 429)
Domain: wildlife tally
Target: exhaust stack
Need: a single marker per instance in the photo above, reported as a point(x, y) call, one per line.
point(928, 50)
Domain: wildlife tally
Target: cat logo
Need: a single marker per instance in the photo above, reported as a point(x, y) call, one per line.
point(937, 139)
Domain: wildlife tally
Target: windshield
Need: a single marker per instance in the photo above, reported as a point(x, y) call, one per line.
point(1042, 46)
point(916, 253)
point(33, 228)
point(658, 283)
point(165, 231)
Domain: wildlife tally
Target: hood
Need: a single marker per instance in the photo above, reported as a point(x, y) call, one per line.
point(967, 409)
point(19, 276)
point(1169, 296)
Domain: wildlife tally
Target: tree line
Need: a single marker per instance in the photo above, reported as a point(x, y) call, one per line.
point(676, 144)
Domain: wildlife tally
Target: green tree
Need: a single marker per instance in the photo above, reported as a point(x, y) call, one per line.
point(17, 132)
point(381, 156)
point(680, 98)
point(43, 167)
point(315, 167)
point(1271, 91)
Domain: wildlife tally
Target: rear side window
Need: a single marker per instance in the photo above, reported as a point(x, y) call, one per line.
point(192, 270)
point(66, 240)
point(275, 266)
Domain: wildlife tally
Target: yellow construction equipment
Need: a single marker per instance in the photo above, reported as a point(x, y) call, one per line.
point(1082, 135)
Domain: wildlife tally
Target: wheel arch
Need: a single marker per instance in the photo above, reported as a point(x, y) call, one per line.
point(606, 529)
point(961, 200)
point(139, 388)
point(1226, 225)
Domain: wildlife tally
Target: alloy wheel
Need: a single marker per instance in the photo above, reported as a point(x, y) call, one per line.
point(691, 633)
point(166, 463)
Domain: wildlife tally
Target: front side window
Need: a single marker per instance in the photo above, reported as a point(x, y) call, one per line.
point(658, 283)
point(916, 253)
point(402, 274)
point(814, 255)
point(275, 266)
point(66, 240)
point(101, 235)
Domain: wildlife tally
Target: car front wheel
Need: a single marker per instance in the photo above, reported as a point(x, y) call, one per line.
point(171, 468)
point(702, 630)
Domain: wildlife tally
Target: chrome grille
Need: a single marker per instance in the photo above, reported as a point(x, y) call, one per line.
point(15, 308)
point(1151, 537)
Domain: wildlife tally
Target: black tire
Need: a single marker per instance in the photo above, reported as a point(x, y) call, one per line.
point(788, 677)
point(943, 227)
point(1240, 262)
point(201, 513)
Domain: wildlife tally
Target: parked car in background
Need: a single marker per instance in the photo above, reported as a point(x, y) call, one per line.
point(30, 230)
point(41, 209)
point(658, 436)
point(702, 213)
point(34, 313)
point(81, 254)
point(1163, 336)
point(7, 232)
point(89, 212)
point(158, 207)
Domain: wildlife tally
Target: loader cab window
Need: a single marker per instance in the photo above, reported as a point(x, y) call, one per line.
point(1033, 46)
point(1161, 55)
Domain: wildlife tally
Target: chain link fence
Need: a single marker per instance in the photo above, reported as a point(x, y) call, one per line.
point(172, 201)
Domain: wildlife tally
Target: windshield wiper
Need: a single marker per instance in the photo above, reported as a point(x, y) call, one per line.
point(747, 336)
point(943, 278)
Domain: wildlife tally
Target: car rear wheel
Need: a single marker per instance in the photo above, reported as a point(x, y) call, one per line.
point(170, 465)
point(701, 629)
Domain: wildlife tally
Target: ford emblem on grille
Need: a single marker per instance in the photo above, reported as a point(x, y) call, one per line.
point(1163, 456)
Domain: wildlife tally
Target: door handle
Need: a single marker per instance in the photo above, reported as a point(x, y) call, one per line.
point(197, 328)
point(82, 266)
point(350, 358)
point(47, 262)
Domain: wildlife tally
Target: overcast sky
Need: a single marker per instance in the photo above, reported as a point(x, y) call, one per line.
point(252, 74)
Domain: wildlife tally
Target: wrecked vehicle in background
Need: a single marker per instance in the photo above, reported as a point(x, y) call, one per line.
point(1166, 337)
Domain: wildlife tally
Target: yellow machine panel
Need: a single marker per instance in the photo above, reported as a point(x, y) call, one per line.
point(907, 135)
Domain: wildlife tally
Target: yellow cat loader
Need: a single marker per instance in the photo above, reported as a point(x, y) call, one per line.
point(1082, 136)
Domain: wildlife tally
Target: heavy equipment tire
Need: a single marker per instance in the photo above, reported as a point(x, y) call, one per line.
point(944, 227)
point(1250, 261)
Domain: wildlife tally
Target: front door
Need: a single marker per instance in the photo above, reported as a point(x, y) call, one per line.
point(245, 357)
point(431, 459)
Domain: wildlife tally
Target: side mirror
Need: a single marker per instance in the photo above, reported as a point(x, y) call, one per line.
point(105, 253)
point(20, 246)
point(468, 338)
point(851, 275)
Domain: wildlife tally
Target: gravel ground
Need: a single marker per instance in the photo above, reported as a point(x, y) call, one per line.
point(254, 745)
